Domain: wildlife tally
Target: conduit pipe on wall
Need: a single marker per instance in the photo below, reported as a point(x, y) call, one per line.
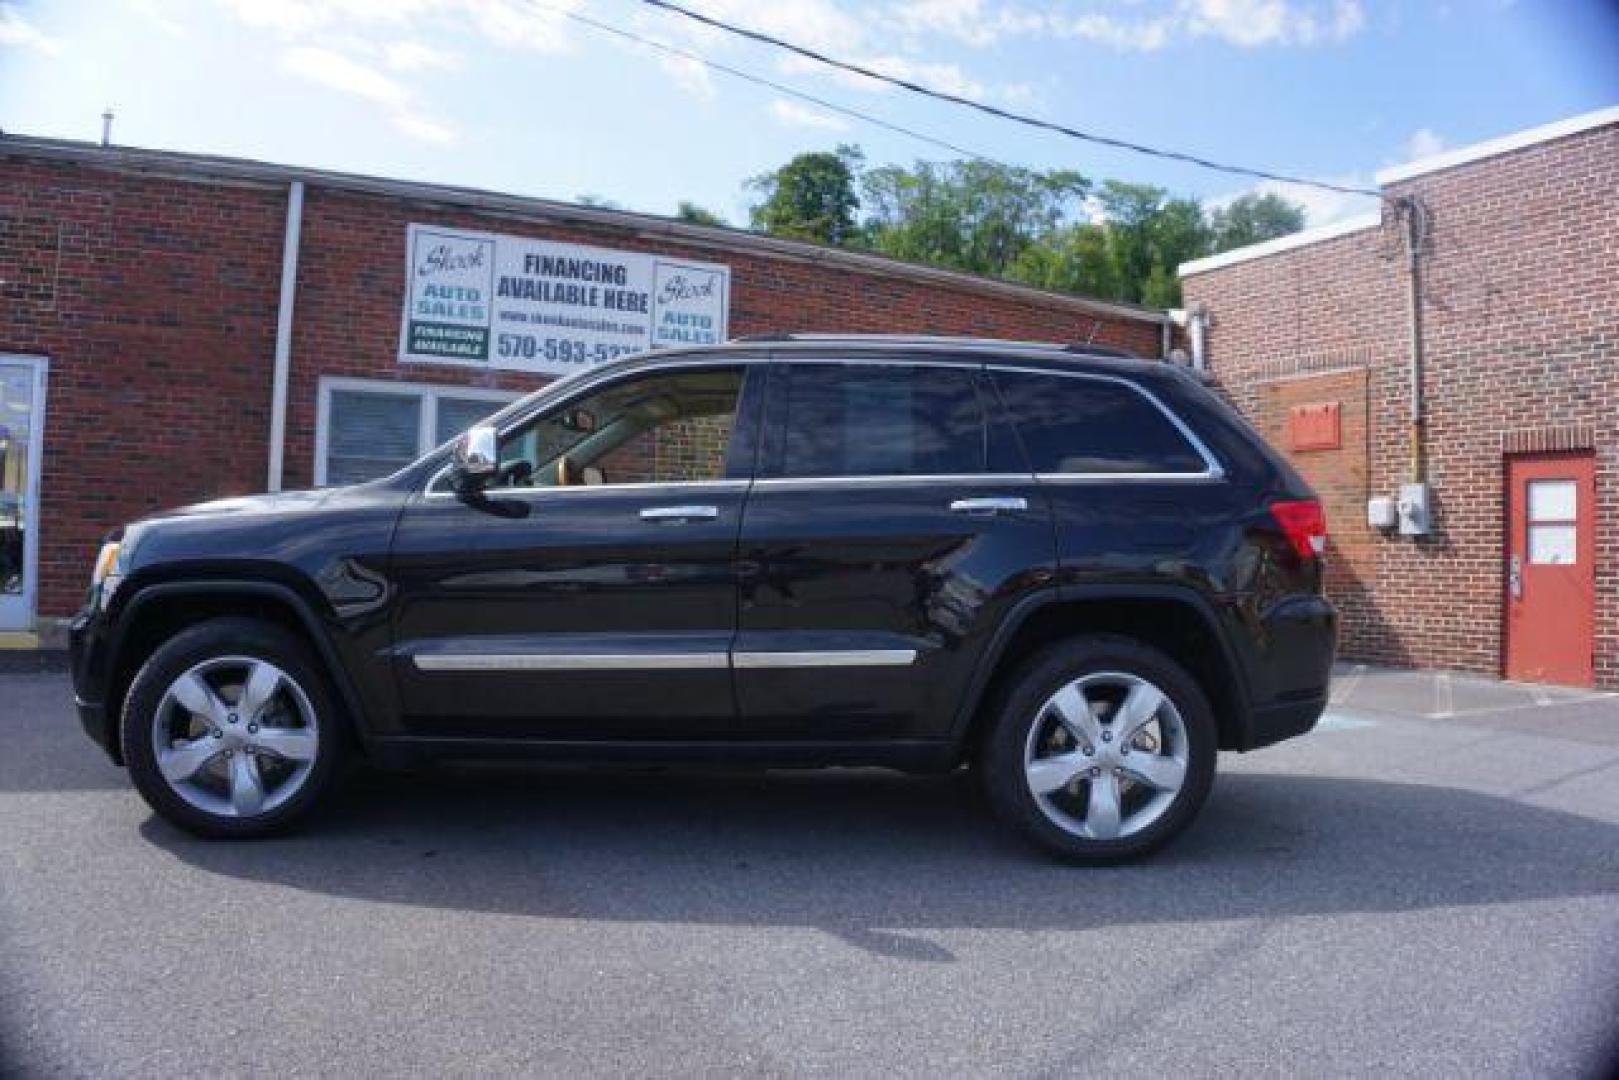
point(283, 333)
point(1414, 217)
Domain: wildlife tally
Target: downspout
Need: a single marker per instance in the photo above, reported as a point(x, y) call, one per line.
point(283, 333)
point(1197, 329)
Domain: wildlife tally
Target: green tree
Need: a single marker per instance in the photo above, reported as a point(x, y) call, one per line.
point(1149, 235)
point(812, 197)
point(1253, 219)
point(1072, 259)
point(973, 215)
point(697, 215)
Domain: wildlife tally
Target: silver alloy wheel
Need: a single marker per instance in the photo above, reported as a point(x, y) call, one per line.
point(1106, 756)
point(235, 736)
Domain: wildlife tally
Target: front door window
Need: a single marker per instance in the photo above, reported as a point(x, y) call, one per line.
point(668, 428)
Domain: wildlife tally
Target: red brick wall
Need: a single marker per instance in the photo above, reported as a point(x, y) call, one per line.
point(154, 298)
point(1521, 332)
point(155, 304)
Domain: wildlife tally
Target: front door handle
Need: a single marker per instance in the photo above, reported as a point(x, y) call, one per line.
point(1515, 576)
point(990, 504)
point(675, 515)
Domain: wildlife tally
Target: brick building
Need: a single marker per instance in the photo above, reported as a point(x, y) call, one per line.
point(175, 328)
point(1311, 337)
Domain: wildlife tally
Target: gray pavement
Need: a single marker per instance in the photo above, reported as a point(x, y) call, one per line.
point(1429, 885)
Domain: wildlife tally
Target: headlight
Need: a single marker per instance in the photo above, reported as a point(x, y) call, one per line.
point(108, 571)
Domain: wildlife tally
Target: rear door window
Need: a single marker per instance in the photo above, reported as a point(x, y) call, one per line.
point(1072, 424)
point(841, 420)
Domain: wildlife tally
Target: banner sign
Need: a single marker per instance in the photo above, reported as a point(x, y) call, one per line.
point(519, 304)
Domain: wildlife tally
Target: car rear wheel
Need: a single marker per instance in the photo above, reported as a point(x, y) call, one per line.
point(1103, 749)
point(230, 731)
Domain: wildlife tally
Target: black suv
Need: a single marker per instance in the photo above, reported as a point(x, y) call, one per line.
point(1077, 573)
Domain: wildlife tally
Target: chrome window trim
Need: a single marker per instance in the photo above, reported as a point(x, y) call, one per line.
point(780, 483)
point(649, 364)
point(821, 658)
point(1213, 470)
point(684, 488)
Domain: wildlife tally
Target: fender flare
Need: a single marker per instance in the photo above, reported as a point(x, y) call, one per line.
point(989, 661)
point(285, 594)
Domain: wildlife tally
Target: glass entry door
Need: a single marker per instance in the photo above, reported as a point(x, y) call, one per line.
point(22, 413)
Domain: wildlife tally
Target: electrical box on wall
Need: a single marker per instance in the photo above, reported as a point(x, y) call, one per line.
point(1380, 512)
point(1413, 509)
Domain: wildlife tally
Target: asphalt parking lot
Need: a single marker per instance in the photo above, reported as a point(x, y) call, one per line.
point(1427, 885)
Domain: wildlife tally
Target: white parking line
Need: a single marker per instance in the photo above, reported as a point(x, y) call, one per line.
point(1333, 720)
point(1342, 690)
point(1444, 697)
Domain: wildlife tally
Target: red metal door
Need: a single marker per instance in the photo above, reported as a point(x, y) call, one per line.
point(1551, 568)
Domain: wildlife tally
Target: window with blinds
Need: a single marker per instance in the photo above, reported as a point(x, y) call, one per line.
point(371, 430)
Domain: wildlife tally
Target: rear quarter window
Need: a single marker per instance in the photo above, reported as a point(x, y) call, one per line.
point(1074, 424)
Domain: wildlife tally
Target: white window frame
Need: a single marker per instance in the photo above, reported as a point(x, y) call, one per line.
point(427, 422)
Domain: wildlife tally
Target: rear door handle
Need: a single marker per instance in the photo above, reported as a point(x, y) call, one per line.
point(674, 515)
point(990, 504)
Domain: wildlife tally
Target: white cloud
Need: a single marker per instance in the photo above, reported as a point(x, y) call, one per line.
point(1424, 143)
point(1321, 207)
point(1138, 26)
point(338, 72)
point(515, 24)
point(969, 21)
point(689, 75)
point(946, 77)
point(518, 25)
point(816, 24)
point(288, 17)
point(19, 32)
point(795, 114)
point(1140, 35)
point(335, 71)
point(1251, 23)
point(423, 128)
point(157, 14)
point(409, 55)
point(949, 78)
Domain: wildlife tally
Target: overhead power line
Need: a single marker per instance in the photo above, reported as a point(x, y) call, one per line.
point(759, 80)
point(1005, 114)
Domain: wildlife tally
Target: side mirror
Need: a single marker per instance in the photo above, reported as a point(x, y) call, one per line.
point(476, 458)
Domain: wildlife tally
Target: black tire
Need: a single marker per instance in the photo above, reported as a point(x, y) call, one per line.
point(218, 638)
point(1020, 707)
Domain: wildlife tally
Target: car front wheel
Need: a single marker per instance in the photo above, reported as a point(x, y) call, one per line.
point(230, 731)
point(1102, 749)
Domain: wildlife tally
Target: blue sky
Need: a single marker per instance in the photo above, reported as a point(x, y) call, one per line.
point(513, 96)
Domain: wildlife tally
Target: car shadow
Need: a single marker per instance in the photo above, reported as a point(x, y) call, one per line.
point(875, 857)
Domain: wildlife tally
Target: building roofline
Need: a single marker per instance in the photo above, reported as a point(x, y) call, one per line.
point(1317, 235)
point(1466, 155)
point(189, 165)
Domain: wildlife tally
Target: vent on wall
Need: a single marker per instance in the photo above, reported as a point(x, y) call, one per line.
point(1315, 426)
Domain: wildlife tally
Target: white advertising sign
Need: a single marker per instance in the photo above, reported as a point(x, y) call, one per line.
point(517, 304)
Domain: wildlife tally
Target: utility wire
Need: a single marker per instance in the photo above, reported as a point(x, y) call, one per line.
point(1004, 114)
point(759, 80)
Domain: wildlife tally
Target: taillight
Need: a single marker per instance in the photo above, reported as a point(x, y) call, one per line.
point(1304, 524)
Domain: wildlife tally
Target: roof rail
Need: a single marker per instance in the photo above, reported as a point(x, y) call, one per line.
point(935, 339)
